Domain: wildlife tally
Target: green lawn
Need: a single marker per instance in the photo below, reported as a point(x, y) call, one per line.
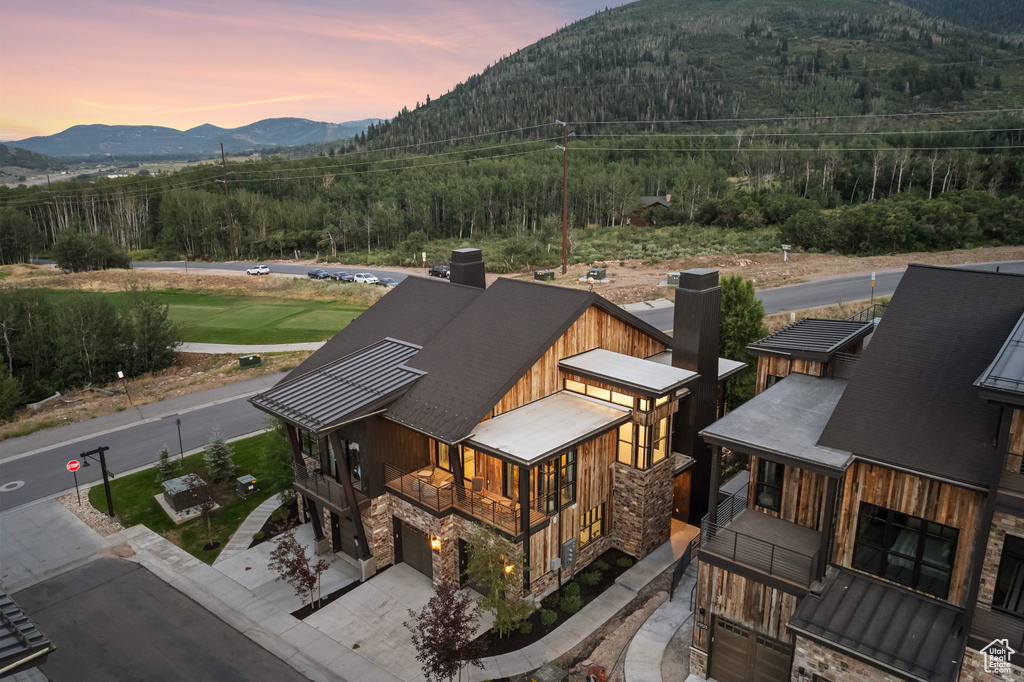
point(239, 319)
point(135, 502)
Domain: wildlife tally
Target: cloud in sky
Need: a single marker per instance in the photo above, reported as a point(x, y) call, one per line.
point(186, 63)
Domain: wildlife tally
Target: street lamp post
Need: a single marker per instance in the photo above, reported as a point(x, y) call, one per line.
point(106, 474)
point(181, 450)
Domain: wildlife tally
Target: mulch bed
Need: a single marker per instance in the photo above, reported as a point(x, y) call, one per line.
point(272, 528)
point(493, 645)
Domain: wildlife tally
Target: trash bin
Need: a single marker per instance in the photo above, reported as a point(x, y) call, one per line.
point(597, 273)
point(246, 485)
point(673, 279)
point(250, 360)
point(544, 276)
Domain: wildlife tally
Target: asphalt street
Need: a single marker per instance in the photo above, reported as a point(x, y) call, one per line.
point(824, 292)
point(34, 467)
point(114, 620)
point(276, 268)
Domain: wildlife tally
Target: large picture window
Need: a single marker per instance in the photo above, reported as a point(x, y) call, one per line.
point(769, 484)
point(1009, 592)
point(905, 549)
point(591, 525)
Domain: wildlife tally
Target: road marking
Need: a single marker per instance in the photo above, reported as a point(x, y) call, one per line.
point(11, 486)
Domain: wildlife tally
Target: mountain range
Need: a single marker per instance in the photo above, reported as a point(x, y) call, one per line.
point(124, 140)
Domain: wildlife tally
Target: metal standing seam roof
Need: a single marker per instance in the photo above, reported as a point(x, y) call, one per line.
point(546, 427)
point(903, 632)
point(21, 642)
point(784, 423)
point(343, 389)
point(1005, 376)
point(635, 374)
point(811, 339)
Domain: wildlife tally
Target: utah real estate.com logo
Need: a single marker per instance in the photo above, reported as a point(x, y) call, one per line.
point(997, 656)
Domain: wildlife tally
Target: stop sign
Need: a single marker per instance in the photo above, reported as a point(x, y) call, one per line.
point(74, 465)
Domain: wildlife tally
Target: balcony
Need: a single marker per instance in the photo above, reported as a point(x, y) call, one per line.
point(757, 543)
point(443, 497)
point(324, 489)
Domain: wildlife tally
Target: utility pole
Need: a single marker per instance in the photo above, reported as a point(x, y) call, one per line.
point(565, 178)
point(227, 201)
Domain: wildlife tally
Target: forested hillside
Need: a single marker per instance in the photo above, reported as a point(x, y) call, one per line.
point(855, 126)
point(998, 16)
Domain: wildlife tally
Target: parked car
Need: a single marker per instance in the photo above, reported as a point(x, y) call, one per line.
point(341, 276)
point(441, 271)
point(319, 273)
point(258, 270)
point(365, 278)
point(388, 282)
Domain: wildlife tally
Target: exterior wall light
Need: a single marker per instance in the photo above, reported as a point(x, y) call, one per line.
point(435, 544)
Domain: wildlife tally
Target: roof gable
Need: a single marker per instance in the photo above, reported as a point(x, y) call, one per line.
point(912, 402)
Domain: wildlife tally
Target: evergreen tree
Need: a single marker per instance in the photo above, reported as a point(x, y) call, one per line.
point(166, 467)
point(742, 324)
point(217, 457)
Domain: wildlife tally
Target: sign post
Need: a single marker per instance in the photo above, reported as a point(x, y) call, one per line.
point(424, 261)
point(120, 375)
point(872, 288)
point(73, 467)
point(785, 251)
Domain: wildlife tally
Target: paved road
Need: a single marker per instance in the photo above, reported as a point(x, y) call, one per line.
point(114, 620)
point(824, 292)
point(276, 268)
point(33, 467)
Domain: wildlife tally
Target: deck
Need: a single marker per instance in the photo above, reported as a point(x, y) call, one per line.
point(322, 488)
point(442, 496)
point(768, 545)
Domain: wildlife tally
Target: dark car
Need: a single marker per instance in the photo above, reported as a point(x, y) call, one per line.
point(319, 273)
point(388, 282)
point(441, 271)
point(341, 276)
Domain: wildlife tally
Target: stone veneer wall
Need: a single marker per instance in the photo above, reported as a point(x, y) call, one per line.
point(816, 659)
point(973, 668)
point(377, 525)
point(642, 507)
point(1002, 524)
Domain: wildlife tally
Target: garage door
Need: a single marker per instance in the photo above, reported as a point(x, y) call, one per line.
point(413, 547)
point(739, 654)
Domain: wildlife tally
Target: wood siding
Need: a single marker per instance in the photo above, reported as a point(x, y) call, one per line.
point(942, 503)
point(783, 367)
point(594, 486)
point(746, 601)
point(389, 443)
point(803, 495)
point(1015, 446)
point(594, 329)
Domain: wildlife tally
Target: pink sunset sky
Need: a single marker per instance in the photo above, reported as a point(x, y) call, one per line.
point(184, 63)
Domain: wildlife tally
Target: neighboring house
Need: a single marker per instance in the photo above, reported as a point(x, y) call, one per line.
point(882, 535)
point(645, 216)
point(543, 411)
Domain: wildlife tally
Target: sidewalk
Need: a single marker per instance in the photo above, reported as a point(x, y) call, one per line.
point(44, 440)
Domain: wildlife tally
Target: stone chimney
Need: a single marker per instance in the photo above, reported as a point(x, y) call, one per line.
point(468, 268)
point(695, 347)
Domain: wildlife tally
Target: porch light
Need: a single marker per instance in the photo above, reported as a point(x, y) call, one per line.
point(435, 544)
point(509, 568)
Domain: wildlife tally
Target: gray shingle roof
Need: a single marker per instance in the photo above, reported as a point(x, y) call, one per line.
point(896, 629)
point(912, 402)
point(343, 389)
point(810, 339)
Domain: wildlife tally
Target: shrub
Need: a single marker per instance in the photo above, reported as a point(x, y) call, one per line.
point(278, 514)
point(10, 396)
point(525, 627)
point(570, 603)
point(601, 565)
point(547, 617)
point(258, 535)
point(571, 589)
point(625, 562)
point(591, 578)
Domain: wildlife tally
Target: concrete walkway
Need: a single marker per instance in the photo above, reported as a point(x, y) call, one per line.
point(242, 538)
point(229, 349)
point(647, 649)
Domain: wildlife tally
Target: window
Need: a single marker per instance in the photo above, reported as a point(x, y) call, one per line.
point(546, 484)
point(769, 484)
point(309, 444)
point(626, 444)
point(905, 549)
point(659, 441)
point(1009, 592)
point(444, 457)
point(355, 465)
point(567, 478)
point(468, 463)
point(600, 393)
point(591, 525)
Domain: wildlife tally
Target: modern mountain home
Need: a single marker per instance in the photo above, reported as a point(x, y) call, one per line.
point(882, 533)
point(548, 413)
